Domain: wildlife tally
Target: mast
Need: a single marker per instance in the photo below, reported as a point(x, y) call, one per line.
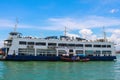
point(65, 31)
point(104, 34)
point(15, 33)
point(15, 28)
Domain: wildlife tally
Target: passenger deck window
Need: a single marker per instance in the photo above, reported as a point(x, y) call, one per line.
point(79, 45)
point(40, 43)
point(108, 46)
point(51, 44)
point(71, 50)
point(62, 44)
point(88, 45)
point(22, 43)
point(30, 43)
point(103, 46)
point(106, 52)
point(71, 45)
point(97, 45)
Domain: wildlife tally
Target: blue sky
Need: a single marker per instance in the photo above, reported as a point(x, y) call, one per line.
point(84, 18)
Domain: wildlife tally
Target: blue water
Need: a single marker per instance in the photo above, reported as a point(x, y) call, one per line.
point(93, 70)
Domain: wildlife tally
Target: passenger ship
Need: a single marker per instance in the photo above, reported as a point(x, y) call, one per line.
point(18, 48)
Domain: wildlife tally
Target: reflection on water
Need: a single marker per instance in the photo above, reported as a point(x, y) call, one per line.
point(60, 70)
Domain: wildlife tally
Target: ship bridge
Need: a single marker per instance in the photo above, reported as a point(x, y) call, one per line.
point(14, 35)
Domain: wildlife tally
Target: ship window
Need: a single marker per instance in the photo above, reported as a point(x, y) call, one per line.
point(26, 51)
point(71, 50)
point(22, 51)
point(109, 52)
point(45, 51)
point(108, 46)
point(62, 52)
point(79, 45)
point(62, 44)
point(51, 44)
point(97, 45)
point(30, 51)
point(30, 43)
point(97, 52)
point(79, 51)
point(106, 52)
point(22, 43)
point(89, 52)
point(88, 45)
point(71, 44)
point(40, 43)
point(103, 46)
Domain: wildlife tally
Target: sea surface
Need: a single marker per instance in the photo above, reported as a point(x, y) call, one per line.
point(38, 70)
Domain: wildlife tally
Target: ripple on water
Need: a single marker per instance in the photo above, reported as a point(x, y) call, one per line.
point(93, 70)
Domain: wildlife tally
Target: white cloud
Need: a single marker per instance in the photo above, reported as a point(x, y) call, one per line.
point(72, 35)
point(87, 22)
point(87, 34)
point(60, 23)
point(71, 23)
point(4, 23)
point(115, 35)
point(116, 31)
point(114, 10)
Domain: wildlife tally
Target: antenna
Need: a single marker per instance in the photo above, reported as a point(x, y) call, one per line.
point(15, 28)
point(104, 34)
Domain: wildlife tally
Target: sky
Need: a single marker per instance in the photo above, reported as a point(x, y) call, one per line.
point(41, 18)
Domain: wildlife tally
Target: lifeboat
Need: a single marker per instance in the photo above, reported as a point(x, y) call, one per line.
point(73, 59)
